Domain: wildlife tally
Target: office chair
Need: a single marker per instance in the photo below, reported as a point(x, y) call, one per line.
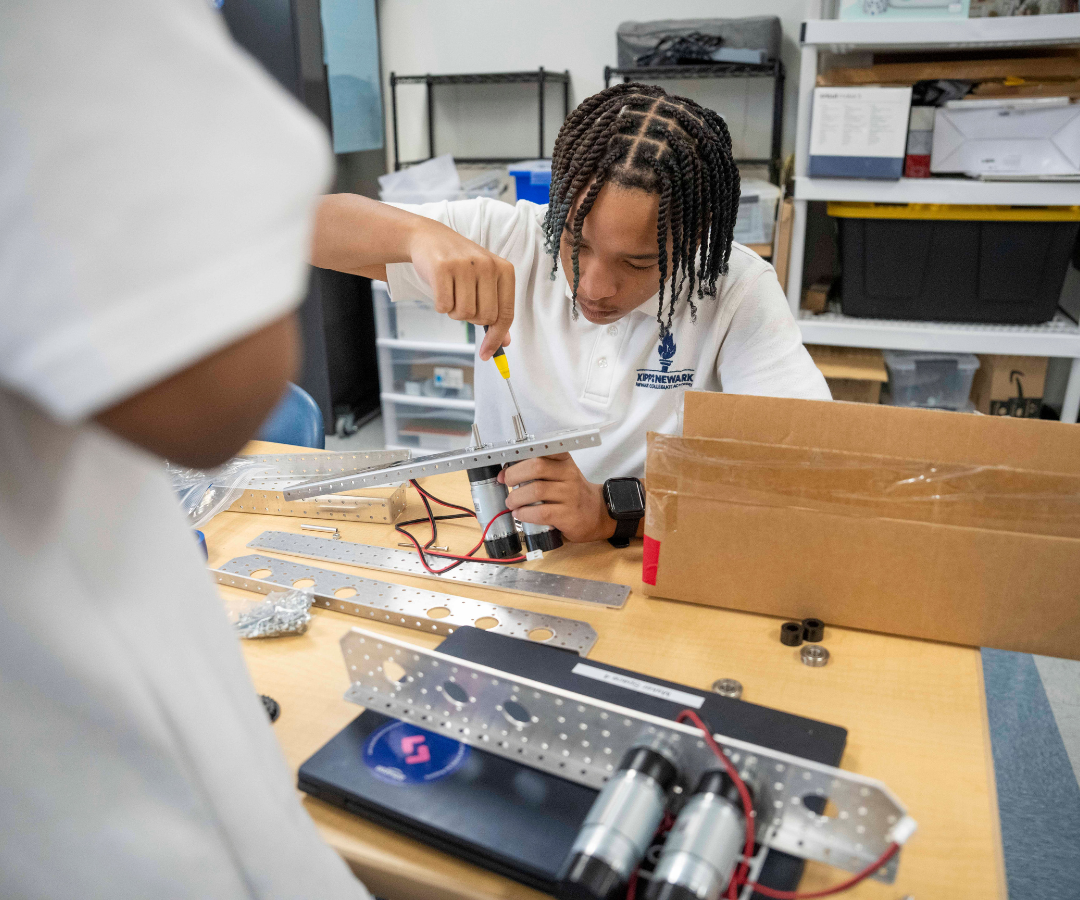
point(297, 420)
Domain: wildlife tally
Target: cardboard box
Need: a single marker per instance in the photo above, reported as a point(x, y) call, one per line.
point(816, 297)
point(854, 374)
point(1010, 386)
point(1021, 137)
point(782, 240)
point(916, 522)
point(859, 132)
point(891, 10)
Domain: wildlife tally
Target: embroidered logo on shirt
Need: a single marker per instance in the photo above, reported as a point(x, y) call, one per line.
point(664, 379)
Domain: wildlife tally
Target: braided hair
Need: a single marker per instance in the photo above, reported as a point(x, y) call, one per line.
point(639, 136)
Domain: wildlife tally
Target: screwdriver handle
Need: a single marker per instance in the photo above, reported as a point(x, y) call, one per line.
point(500, 360)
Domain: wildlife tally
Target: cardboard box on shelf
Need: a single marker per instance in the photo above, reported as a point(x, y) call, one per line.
point(1010, 386)
point(923, 523)
point(854, 374)
point(782, 240)
point(816, 297)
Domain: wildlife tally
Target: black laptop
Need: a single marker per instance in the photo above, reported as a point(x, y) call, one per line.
point(512, 819)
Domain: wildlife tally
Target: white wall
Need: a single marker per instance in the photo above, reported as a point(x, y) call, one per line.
point(456, 36)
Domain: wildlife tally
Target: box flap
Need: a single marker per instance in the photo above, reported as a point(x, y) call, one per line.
point(923, 434)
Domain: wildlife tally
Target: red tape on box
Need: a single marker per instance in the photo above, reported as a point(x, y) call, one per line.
point(650, 559)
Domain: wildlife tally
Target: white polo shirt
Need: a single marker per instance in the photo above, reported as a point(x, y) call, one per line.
point(570, 374)
point(157, 193)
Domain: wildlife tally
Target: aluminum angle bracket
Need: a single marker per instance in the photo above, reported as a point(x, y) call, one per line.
point(583, 740)
point(265, 493)
point(404, 606)
point(486, 575)
point(451, 461)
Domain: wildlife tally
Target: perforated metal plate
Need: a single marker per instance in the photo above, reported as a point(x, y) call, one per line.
point(451, 461)
point(404, 606)
point(583, 740)
point(486, 575)
point(264, 495)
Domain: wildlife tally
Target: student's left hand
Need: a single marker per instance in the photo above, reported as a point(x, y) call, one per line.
point(573, 505)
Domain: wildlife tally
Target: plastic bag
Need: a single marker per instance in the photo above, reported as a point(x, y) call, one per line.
point(205, 493)
point(282, 612)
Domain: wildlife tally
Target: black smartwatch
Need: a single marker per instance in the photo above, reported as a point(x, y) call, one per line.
point(625, 501)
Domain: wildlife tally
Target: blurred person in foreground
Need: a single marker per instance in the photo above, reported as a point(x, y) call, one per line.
point(156, 202)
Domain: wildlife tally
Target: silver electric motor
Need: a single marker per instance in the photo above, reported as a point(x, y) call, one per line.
point(620, 825)
point(540, 537)
point(489, 499)
point(704, 846)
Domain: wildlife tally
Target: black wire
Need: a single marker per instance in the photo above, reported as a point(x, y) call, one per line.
point(465, 513)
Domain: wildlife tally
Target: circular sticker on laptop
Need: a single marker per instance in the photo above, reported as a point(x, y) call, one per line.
point(400, 753)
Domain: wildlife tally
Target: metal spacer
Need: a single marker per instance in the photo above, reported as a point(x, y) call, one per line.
point(728, 687)
point(814, 655)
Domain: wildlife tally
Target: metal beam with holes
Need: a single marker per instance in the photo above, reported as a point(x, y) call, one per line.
point(501, 453)
point(583, 739)
point(395, 604)
point(511, 579)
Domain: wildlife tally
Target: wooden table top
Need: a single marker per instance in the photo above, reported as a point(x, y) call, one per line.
point(914, 710)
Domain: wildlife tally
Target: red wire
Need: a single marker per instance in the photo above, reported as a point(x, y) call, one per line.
point(468, 557)
point(739, 879)
point(835, 889)
point(744, 794)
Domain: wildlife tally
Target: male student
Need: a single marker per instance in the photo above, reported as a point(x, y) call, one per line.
point(156, 203)
point(624, 291)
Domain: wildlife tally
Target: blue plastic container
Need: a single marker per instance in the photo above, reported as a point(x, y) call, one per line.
point(533, 179)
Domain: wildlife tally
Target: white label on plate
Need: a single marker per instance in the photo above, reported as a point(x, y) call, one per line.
point(636, 684)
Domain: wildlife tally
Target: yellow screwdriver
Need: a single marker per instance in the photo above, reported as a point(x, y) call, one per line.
point(499, 358)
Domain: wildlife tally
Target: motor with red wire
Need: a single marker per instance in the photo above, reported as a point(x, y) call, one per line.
point(424, 550)
point(706, 854)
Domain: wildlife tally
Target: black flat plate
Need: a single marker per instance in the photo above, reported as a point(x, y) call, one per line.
point(516, 820)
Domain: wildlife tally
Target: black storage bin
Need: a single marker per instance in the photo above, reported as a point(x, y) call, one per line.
point(954, 263)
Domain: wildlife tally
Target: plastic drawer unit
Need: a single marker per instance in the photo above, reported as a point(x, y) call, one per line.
point(426, 426)
point(995, 264)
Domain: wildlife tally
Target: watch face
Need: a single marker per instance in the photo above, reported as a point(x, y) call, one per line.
point(625, 497)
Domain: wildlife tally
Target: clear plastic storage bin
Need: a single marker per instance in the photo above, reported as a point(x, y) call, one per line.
point(415, 320)
point(757, 211)
point(931, 380)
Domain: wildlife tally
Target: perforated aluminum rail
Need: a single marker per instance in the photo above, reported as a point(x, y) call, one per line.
point(404, 606)
point(485, 575)
point(451, 461)
point(582, 740)
point(264, 495)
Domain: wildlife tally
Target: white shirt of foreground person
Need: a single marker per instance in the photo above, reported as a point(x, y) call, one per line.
point(156, 194)
point(571, 374)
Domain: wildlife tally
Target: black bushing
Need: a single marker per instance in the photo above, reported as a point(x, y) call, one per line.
point(791, 633)
point(272, 707)
point(813, 630)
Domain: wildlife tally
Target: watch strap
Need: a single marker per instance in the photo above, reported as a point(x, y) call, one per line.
point(624, 530)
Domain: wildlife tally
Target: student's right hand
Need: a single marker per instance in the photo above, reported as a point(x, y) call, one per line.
point(468, 282)
point(358, 235)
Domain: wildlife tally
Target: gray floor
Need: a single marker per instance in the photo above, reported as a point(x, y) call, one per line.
point(369, 437)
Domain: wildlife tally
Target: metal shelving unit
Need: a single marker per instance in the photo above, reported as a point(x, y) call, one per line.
point(1059, 338)
point(774, 70)
point(541, 78)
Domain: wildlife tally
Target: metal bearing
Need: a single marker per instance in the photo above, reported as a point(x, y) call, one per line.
point(814, 655)
point(728, 687)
